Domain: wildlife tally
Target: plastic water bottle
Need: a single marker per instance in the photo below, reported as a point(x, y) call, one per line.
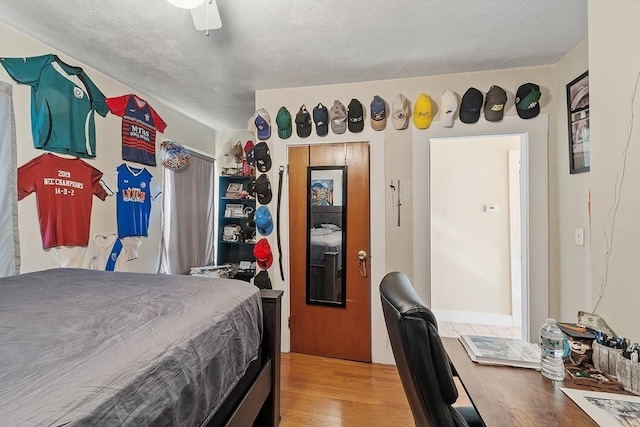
point(552, 349)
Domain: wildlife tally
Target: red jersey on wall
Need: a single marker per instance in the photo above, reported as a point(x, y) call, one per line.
point(64, 195)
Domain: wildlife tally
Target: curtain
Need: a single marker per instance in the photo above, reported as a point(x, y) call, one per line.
point(188, 220)
point(9, 238)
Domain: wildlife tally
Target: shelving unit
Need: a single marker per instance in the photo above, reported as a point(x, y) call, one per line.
point(237, 247)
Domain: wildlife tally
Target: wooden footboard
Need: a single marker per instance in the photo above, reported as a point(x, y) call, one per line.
point(261, 404)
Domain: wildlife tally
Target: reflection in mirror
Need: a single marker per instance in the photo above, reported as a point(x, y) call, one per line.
point(326, 231)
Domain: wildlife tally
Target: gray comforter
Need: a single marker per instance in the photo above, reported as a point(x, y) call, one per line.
point(81, 347)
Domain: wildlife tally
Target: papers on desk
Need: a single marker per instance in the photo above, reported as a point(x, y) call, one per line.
point(607, 409)
point(501, 351)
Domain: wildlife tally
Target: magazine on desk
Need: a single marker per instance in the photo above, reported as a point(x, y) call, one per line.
point(501, 351)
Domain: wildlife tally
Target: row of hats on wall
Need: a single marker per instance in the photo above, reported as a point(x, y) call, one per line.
point(341, 118)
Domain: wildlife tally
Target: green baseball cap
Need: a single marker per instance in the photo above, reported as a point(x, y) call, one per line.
point(283, 120)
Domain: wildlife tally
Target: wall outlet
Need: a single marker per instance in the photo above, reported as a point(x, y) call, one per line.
point(579, 237)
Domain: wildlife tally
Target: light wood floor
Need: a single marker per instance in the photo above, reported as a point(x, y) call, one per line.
point(324, 392)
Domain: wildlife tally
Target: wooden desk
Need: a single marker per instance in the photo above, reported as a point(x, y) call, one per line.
point(505, 396)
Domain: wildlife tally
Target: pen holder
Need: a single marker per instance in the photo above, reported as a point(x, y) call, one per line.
point(605, 358)
point(628, 374)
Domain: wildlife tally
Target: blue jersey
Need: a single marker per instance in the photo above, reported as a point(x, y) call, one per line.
point(133, 205)
point(63, 102)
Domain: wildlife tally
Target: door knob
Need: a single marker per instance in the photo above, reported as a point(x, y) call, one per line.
point(362, 263)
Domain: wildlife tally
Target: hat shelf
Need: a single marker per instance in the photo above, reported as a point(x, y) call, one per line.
point(236, 231)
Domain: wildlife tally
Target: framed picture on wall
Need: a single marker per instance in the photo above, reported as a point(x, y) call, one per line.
point(578, 114)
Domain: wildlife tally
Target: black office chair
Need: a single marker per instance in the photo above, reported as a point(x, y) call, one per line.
point(423, 363)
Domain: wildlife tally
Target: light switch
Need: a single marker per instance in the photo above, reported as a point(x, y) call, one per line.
point(579, 237)
point(491, 208)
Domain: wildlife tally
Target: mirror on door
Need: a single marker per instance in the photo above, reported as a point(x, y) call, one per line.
point(326, 231)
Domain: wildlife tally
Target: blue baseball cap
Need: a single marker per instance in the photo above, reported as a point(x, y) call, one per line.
point(263, 124)
point(378, 113)
point(264, 223)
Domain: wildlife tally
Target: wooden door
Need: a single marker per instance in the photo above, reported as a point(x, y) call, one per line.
point(341, 332)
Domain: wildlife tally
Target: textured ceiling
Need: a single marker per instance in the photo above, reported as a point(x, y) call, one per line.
point(266, 44)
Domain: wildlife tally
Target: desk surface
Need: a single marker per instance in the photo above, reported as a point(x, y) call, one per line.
point(508, 396)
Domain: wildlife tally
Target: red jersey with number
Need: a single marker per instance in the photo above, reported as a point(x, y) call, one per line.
point(64, 195)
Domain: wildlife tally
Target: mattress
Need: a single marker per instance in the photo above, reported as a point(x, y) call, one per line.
point(81, 347)
point(321, 243)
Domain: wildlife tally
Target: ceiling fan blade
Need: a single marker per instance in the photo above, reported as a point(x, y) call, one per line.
point(206, 16)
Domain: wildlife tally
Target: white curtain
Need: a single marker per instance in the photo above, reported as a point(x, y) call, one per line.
point(9, 239)
point(188, 217)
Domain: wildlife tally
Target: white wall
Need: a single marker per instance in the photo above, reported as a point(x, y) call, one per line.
point(614, 73)
point(470, 250)
point(108, 148)
point(569, 264)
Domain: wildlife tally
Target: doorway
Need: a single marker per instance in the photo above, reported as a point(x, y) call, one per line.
point(333, 330)
point(476, 226)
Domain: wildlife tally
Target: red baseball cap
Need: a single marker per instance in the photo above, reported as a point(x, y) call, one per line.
point(262, 252)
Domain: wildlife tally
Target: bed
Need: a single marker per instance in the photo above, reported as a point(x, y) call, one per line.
point(82, 347)
point(325, 253)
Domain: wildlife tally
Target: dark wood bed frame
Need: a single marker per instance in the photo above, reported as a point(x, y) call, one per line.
point(260, 406)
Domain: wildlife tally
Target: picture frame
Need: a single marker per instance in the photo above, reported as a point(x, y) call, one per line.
point(234, 187)
point(606, 409)
point(578, 121)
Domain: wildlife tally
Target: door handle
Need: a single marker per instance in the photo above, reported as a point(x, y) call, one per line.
point(362, 263)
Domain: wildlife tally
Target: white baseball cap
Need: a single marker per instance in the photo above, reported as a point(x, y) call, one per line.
point(401, 112)
point(448, 108)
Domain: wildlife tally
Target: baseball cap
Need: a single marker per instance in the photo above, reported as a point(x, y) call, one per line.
point(321, 119)
point(422, 114)
point(262, 252)
point(448, 108)
point(262, 280)
point(262, 156)
point(356, 116)
point(261, 187)
point(378, 113)
point(494, 104)
point(237, 152)
point(263, 220)
point(263, 124)
point(471, 105)
point(248, 152)
point(400, 112)
point(303, 122)
point(283, 120)
point(226, 155)
point(338, 117)
point(251, 124)
point(527, 100)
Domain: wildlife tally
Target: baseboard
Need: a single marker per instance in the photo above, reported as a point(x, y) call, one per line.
point(471, 317)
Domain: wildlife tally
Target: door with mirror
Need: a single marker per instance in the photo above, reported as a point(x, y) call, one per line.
point(329, 247)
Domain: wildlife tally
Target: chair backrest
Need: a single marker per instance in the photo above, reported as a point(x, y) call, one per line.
point(422, 362)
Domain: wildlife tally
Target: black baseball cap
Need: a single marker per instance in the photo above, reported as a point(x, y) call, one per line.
point(303, 122)
point(471, 105)
point(261, 187)
point(528, 100)
point(321, 119)
point(355, 116)
point(262, 157)
point(262, 280)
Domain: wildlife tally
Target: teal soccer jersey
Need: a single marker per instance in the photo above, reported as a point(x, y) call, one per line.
point(63, 102)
